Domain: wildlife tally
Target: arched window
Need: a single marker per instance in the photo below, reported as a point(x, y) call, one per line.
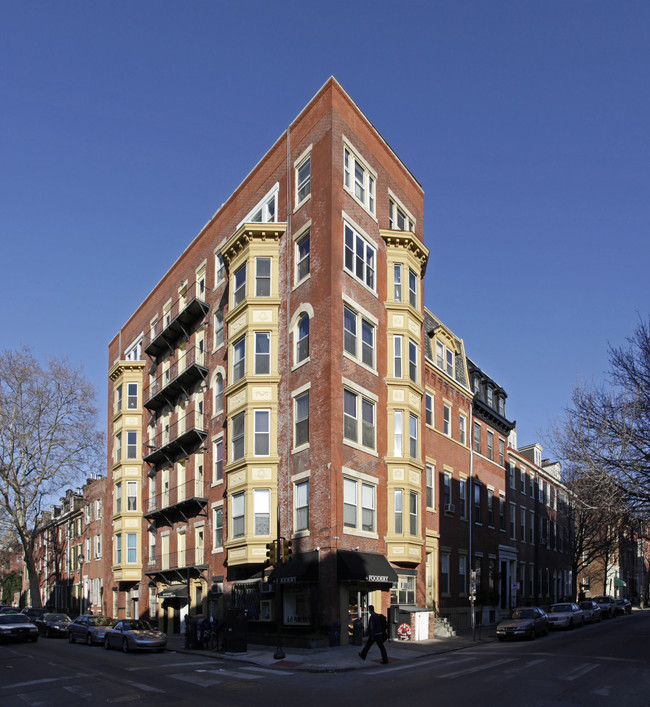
point(217, 401)
point(302, 338)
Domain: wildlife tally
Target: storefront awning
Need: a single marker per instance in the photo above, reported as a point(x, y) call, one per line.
point(176, 591)
point(302, 568)
point(364, 567)
point(619, 582)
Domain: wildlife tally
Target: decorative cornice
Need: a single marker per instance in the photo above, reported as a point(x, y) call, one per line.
point(408, 241)
point(247, 233)
point(120, 367)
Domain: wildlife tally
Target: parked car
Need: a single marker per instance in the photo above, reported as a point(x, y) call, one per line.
point(17, 627)
point(51, 625)
point(9, 610)
point(526, 622)
point(623, 606)
point(591, 611)
point(565, 615)
point(607, 606)
point(33, 613)
point(89, 629)
point(131, 635)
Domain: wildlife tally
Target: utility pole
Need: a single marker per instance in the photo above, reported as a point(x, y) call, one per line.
point(279, 651)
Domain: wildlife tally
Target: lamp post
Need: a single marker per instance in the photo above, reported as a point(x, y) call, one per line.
point(80, 560)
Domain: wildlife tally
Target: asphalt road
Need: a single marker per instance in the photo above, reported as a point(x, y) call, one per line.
point(606, 664)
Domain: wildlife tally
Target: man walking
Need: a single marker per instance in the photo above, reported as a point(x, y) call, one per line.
point(375, 635)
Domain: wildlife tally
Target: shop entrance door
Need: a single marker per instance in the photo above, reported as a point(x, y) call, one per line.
point(357, 608)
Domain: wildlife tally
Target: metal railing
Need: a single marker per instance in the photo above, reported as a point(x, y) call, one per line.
point(178, 494)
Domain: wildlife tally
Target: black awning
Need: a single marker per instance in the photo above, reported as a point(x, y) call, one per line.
point(176, 591)
point(302, 568)
point(364, 567)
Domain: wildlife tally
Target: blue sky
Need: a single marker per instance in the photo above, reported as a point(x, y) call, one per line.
point(125, 125)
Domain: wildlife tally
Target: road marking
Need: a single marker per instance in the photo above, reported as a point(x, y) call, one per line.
point(267, 671)
point(78, 690)
point(425, 662)
point(207, 678)
point(579, 671)
point(476, 668)
point(602, 691)
point(33, 683)
point(142, 686)
point(32, 700)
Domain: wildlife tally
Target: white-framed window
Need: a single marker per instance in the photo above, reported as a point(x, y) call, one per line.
point(262, 432)
point(131, 444)
point(359, 505)
point(134, 351)
point(512, 471)
point(303, 180)
point(446, 421)
point(490, 400)
point(97, 546)
point(131, 495)
point(360, 257)
point(301, 504)
point(239, 359)
point(301, 419)
point(490, 444)
point(218, 328)
point(219, 270)
point(302, 257)
point(431, 489)
point(398, 436)
point(358, 179)
point(131, 548)
point(118, 398)
point(398, 516)
point(262, 277)
point(359, 419)
point(238, 426)
point(477, 438)
point(397, 356)
point(428, 408)
point(262, 353)
point(262, 511)
point(238, 510)
point(98, 508)
point(413, 361)
point(217, 394)
point(413, 289)
point(118, 549)
point(217, 527)
point(502, 452)
point(359, 336)
point(217, 460)
point(302, 338)
point(239, 286)
point(266, 210)
point(462, 428)
point(399, 218)
point(462, 497)
point(413, 435)
point(118, 446)
point(490, 507)
point(118, 497)
point(397, 282)
point(132, 396)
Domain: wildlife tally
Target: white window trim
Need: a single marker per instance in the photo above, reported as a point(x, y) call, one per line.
point(362, 392)
point(307, 309)
point(298, 236)
point(361, 232)
point(218, 504)
point(392, 196)
point(306, 153)
point(356, 154)
point(294, 396)
point(272, 192)
point(366, 479)
point(361, 312)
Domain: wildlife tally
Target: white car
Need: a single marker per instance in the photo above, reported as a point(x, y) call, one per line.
point(565, 615)
point(17, 627)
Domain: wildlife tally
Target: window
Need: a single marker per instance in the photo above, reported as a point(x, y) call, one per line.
point(238, 359)
point(462, 429)
point(239, 289)
point(414, 527)
point(220, 270)
point(428, 406)
point(490, 400)
point(217, 515)
point(398, 515)
point(502, 452)
point(134, 352)
point(413, 361)
point(301, 419)
point(502, 513)
point(217, 404)
point(266, 210)
point(430, 474)
point(358, 495)
point(477, 438)
point(217, 447)
point(131, 495)
point(358, 180)
point(398, 437)
point(477, 502)
point(262, 432)
point(118, 447)
point(238, 515)
point(262, 511)
point(302, 257)
point(218, 328)
point(446, 490)
point(397, 282)
point(362, 348)
point(444, 573)
point(118, 398)
point(118, 549)
point(522, 524)
point(303, 180)
point(413, 289)
point(302, 338)
point(513, 521)
point(446, 424)
point(118, 497)
point(131, 547)
point(413, 436)
point(358, 427)
point(522, 479)
point(262, 277)
point(302, 505)
point(360, 257)
point(531, 527)
point(398, 219)
point(490, 507)
point(397, 356)
point(262, 353)
point(462, 574)
point(98, 546)
point(131, 444)
point(238, 436)
point(490, 444)
point(449, 364)
point(132, 396)
point(462, 493)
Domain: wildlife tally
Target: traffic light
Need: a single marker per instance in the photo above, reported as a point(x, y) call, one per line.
point(271, 554)
point(286, 550)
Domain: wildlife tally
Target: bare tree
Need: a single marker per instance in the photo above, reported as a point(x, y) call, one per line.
point(48, 440)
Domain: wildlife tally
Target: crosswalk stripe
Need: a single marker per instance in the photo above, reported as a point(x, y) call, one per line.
point(579, 671)
point(476, 668)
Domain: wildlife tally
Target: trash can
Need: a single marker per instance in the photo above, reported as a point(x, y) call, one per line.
point(236, 633)
point(357, 632)
point(334, 635)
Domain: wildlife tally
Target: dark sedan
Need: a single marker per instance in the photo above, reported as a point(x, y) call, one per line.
point(623, 606)
point(527, 622)
point(52, 625)
point(17, 627)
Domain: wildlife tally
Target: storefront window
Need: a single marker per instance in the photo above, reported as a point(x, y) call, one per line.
point(297, 606)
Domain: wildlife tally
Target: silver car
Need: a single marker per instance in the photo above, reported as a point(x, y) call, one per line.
point(89, 629)
point(17, 627)
point(526, 622)
point(591, 611)
point(132, 635)
point(565, 615)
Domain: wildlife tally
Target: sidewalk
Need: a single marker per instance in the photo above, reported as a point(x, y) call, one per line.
point(340, 658)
